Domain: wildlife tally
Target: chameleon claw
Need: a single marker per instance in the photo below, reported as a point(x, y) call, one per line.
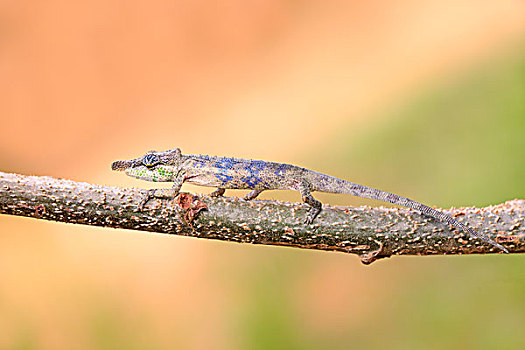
point(312, 214)
point(308, 220)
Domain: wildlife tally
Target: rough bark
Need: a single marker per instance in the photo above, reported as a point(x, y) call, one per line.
point(371, 233)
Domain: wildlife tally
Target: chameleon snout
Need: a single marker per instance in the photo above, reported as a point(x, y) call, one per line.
point(119, 165)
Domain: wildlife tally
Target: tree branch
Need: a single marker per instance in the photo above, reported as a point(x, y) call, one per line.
point(372, 233)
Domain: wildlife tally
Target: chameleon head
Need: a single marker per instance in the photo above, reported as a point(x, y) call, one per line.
point(154, 166)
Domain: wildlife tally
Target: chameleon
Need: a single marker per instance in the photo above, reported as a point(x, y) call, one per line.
point(258, 176)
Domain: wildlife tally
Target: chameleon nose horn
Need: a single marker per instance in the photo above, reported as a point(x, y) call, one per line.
point(119, 165)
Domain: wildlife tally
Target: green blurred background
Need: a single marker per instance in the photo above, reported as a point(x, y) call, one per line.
point(425, 99)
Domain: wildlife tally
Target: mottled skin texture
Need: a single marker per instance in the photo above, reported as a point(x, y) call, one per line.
point(257, 176)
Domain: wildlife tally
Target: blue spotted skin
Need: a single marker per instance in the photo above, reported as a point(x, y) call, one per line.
point(236, 173)
point(259, 175)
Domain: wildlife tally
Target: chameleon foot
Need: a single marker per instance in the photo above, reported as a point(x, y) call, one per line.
point(315, 207)
point(158, 193)
point(252, 195)
point(312, 215)
point(149, 194)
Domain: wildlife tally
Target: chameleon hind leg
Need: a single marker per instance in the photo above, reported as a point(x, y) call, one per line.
point(315, 205)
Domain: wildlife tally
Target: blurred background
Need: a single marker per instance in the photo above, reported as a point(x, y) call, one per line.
point(420, 98)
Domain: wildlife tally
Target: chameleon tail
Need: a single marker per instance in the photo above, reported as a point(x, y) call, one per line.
point(325, 183)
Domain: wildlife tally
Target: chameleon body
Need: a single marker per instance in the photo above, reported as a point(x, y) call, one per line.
point(257, 176)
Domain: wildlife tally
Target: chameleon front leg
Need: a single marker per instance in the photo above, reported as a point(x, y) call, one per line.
point(218, 192)
point(316, 206)
point(252, 195)
point(161, 193)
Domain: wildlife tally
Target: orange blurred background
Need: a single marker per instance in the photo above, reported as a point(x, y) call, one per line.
point(86, 83)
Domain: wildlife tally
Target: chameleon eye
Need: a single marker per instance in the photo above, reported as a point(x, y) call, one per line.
point(150, 160)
